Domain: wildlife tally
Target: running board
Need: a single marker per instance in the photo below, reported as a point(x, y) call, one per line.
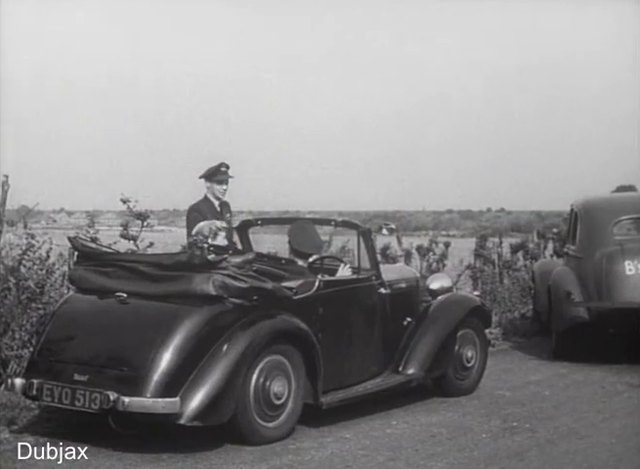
point(381, 383)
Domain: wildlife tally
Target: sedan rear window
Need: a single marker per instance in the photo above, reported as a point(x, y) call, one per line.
point(627, 228)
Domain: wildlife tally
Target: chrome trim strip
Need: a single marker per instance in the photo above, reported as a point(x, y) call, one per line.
point(16, 385)
point(310, 292)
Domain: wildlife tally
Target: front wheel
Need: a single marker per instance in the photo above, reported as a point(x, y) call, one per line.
point(271, 396)
point(468, 361)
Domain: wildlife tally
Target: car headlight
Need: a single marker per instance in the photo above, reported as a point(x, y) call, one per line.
point(439, 284)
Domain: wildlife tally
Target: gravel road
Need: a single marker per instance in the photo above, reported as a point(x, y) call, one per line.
point(529, 412)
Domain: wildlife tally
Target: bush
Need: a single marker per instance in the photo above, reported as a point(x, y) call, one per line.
point(134, 225)
point(32, 282)
point(501, 274)
point(15, 411)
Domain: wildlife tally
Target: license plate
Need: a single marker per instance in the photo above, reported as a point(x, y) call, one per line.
point(72, 397)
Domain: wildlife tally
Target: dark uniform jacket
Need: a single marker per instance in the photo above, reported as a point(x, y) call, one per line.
point(205, 210)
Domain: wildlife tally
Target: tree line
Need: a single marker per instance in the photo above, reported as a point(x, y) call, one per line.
point(455, 222)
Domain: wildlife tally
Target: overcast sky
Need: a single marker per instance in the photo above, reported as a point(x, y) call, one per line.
point(332, 105)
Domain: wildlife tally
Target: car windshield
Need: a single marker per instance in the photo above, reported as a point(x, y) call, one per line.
point(388, 248)
point(337, 241)
point(627, 228)
point(388, 244)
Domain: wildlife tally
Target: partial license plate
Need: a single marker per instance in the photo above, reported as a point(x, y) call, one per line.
point(73, 397)
point(632, 267)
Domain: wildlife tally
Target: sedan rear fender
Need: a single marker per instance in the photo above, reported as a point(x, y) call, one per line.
point(445, 313)
point(210, 394)
point(565, 291)
point(541, 275)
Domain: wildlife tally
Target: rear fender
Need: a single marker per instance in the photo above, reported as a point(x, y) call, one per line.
point(209, 396)
point(541, 276)
point(565, 290)
point(444, 316)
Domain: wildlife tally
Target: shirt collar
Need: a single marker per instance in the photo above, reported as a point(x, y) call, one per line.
point(213, 199)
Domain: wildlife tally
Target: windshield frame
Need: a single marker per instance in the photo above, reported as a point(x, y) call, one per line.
point(364, 233)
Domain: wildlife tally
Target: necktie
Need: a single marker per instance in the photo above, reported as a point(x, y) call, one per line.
point(225, 211)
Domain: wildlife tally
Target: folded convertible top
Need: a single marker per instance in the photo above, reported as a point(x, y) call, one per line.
point(99, 269)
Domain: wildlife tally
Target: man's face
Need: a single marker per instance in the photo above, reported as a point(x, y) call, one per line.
point(217, 189)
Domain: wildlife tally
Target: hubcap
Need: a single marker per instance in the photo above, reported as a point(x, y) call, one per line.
point(271, 389)
point(466, 355)
point(279, 390)
point(469, 357)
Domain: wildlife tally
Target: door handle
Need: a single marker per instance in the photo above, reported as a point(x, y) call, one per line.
point(384, 291)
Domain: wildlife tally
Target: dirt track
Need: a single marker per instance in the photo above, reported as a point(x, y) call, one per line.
point(529, 412)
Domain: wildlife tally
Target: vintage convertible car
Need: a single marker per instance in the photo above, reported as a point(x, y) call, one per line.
point(598, 280)
point(252, 336)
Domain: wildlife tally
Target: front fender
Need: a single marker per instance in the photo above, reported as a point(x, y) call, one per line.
point(444, 315)
point(565, 290)
point(209, 395)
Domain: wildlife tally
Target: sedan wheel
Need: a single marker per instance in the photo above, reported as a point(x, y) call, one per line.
point(575, 343)
point(467, 362)
point(271, 397)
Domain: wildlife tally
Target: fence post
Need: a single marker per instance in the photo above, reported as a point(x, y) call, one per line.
point(3, 201)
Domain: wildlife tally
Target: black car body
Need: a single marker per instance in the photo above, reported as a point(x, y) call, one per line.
point(598, 279)
point(253, 343)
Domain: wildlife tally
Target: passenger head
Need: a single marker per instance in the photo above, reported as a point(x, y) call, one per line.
point(304, 240)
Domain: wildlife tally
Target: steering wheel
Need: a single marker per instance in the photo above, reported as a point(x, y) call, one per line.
point(318, 262)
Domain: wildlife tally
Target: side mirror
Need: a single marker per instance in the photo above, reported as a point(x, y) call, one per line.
point(439, 284)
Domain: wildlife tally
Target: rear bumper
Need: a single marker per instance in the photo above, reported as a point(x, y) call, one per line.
point(110, 400)
point(599, 306)
point(608, 313)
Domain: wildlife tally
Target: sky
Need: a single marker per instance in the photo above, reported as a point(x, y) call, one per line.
point(332, 105)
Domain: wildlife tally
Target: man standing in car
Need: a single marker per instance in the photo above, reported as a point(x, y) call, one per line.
point(211, 216)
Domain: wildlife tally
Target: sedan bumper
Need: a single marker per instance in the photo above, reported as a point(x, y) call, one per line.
point(608, 305)
point(108, 400)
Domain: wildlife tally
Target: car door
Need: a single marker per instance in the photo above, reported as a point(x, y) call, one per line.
point(350, 315)
point(402, 290)
point(350, 325)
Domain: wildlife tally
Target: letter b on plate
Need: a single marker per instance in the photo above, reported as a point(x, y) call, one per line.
point(629, 268)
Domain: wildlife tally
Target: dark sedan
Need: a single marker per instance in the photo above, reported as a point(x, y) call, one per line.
point(597, 282)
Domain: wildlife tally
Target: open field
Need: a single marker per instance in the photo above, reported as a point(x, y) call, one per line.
point(466, 223)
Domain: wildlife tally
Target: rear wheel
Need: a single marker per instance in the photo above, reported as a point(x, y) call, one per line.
point(271, 396)
point(579, 342)
point(560, 347)
point(124, 424)
point(468, 361)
